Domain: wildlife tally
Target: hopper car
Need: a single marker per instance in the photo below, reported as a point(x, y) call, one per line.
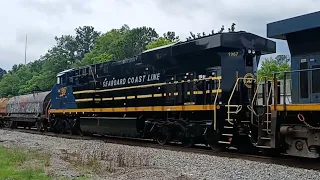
point(201, 91)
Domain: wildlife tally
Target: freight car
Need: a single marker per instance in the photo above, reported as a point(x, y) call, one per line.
point(26, 111)
point(3, 111)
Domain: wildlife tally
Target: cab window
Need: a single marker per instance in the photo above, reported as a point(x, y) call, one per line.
point(58, 80)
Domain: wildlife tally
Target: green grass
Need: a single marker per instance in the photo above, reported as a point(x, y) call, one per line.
point(17, 164)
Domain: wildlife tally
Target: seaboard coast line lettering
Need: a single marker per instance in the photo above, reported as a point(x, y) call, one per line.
point(131, 80)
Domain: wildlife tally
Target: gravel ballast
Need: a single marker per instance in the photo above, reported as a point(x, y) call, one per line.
point(98, 160)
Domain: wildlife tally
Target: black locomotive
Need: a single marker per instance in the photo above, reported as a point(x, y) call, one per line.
point(173, 93)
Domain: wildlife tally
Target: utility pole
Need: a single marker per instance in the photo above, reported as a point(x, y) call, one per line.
point(25, 50)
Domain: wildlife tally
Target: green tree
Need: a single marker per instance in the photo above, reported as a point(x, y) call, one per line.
point(68, 50)
point(171, 36)
point(86, 47)
point(118, 44)
point(85, 39)
point(136, 40)
point(66, 46)
point(92, 58)
point(2, 72)
point(111, 42)
point(271, 65)
point(14, 83)
point(282, 59)
point(158, 43)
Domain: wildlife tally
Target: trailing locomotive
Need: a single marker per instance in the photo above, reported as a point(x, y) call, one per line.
point(294, 126)
point(202, 91)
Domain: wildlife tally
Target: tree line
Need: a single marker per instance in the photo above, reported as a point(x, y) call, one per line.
point(86, 46)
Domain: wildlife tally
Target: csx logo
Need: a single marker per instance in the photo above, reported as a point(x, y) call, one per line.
point(62, 91)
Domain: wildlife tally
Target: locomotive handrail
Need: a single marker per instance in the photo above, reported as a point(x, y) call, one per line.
point(277, 87)
point(254, 96)
point(277, 95)
point(215, 106)
point(299, 70)
point(257, 89)
point(233, 90)
point(145, 86)
point(47, 109)
point(267, 98)
point(94, 79)
point(235, 86)
point(268, 106)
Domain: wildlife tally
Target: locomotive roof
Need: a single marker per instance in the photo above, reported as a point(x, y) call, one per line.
point(280, 29)
point(165, 46)
point(65, 71)
point(232, 40)
point(238, 40)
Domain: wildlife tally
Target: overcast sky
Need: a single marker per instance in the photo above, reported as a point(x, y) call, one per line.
point(43, 19)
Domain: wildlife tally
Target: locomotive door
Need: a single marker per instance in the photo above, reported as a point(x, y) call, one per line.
point(304, 77)
point(314, 74)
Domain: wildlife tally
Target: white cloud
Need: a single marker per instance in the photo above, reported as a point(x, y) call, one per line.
point(43, 19)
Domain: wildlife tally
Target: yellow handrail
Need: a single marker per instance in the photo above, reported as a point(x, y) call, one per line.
point(215, 106)
point(268, 106)
point(254, 97)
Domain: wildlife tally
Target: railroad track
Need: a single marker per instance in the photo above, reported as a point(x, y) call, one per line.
point(304, 163)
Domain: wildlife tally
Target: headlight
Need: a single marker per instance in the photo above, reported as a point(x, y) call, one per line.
point(249, 51)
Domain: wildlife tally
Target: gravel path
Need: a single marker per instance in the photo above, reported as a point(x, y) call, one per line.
point(97, 160)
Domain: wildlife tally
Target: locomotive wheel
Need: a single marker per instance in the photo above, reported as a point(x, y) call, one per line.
point(7, 124)
point(72, 128)
point(75, 128)
point(163, 135)
point(59, 126)
point(216, 147)
point(12, 124)
point(45, 126)
point(186, 139)
point(187, 142)
point(63, 127)
point(39, 125)
point(53, 124)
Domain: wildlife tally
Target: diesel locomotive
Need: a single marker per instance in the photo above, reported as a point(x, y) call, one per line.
point(201, 91)
point(172, 93)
